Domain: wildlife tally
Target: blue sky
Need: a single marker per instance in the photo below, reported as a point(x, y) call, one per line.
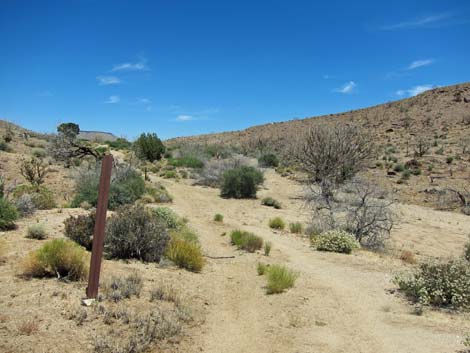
point(189, 67)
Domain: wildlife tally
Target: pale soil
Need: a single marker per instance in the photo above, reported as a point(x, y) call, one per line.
point(340, 303)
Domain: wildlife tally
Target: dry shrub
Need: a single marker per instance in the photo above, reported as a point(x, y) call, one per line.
point(80, 229)
point(36, 231)
point(28, 327)
point(166, 292)
point(117, 288)
point(57, 258)
point(408, 257)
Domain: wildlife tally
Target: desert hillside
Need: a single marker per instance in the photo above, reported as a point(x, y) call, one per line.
point(438, 118)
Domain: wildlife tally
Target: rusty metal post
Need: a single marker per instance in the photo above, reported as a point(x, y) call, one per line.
point(100, 223)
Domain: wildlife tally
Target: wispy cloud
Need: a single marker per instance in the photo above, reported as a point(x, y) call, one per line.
point(184, 117)
point(347, 88)
point(113, 100)
point(414, 91)
point(108, 80)
point(141, 65)
point(430, 21)
point(419, 63)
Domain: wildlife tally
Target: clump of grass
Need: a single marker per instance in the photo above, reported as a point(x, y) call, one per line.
point(279, 278)
point(57, 258)
point(123, 288)
point(296, 228)
point(277, 223)
point(185, 254)
point(261, 268)
point(36, 231)
point(218, 217)
point(267, 248)
point(246, 241)
point(269, 201)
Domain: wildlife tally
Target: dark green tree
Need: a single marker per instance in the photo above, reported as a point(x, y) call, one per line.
point(149, 147)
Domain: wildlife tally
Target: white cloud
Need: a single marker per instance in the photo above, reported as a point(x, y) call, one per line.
point(432, 20)
point(138, 66)
point(419, 63)
point(184, 117)
point(347, 88)
point(108, 80)
point(414, 91)
point(113, 100)
point(143, 101)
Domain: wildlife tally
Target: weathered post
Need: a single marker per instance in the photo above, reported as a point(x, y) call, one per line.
point(100, 223)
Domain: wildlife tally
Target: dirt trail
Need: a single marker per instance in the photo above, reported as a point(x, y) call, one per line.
point(339, 304)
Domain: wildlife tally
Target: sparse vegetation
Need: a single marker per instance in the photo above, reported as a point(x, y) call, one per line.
point(42, 197)
point(36, 231)
point(261, 268)
point(277, 223)
point(241, 182)
point(34, 170)
point(80, 229)
point(57, 258)
point(186, 161)
point(246, 241)
point(336, 241)
point(25, 205)
point(118, 288)
point(269, 201)
point(408, 257)
point(279, 278)
point(136, 232)
point(441, 284)
point(158, 194)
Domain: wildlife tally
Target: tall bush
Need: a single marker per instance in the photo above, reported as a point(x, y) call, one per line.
point(8, 215)
point(241, 182)
point(149, 147)
point(135, 232)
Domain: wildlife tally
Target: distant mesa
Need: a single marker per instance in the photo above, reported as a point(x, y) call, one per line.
point(98, 136)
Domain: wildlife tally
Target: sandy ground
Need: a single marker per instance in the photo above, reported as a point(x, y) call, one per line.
point(340, 303)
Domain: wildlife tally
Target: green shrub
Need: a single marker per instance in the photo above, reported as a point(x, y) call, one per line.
point(80, 229)
point(336, 241)
point(168, 217)
point(416, 171)
point(268, 160)
point(39, 153)
point(119, 144)
point(8, 215)
point(241, 182)
point(279, 279)
point(185, 254)
point(296, 228)
point(136, 232)
point(158, 194)
point(42, 197)
point(36, 231)
point(449, 159)
point(218, 217)
point(170, 174)
point(442, 284)
point(277, 223)
point(3, 146)
point(267, 248)
point(269, 201)
point(149, 147)
point(246, 241)
point(127, 186)
point(399, 168)
point(186, 161)
point(57, 258)
point(406, 174)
